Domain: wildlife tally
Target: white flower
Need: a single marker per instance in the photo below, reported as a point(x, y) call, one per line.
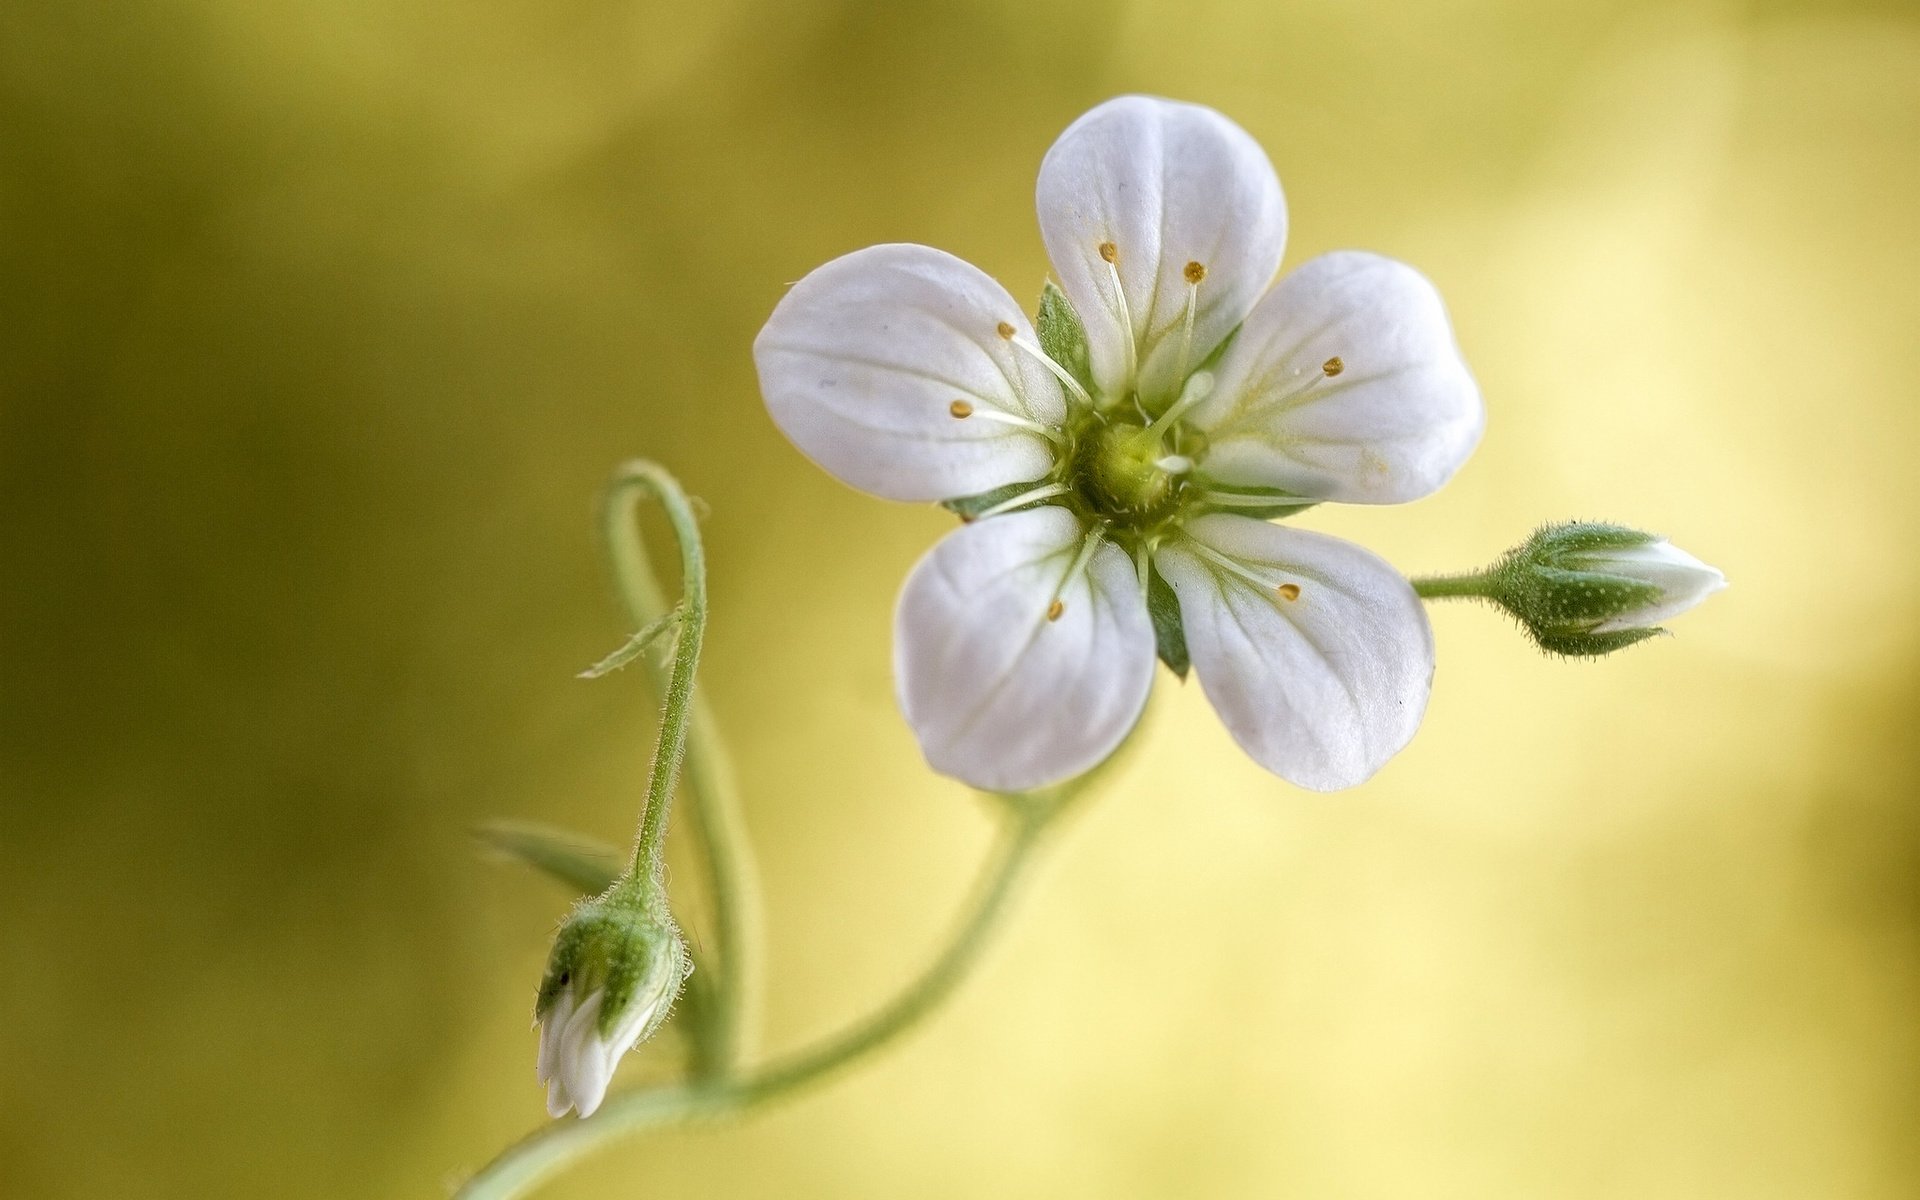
point(1186, 407)
point(577, 1058)
point(1681, 579)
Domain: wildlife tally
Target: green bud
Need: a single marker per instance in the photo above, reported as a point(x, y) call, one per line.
point(1586, 589)
point(616, 967)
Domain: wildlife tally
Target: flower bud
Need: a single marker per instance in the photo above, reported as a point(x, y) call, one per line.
point(611, 980)
point(1588, 589)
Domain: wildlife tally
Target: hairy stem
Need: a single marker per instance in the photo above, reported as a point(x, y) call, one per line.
point(1473, 585)
point(728, 856)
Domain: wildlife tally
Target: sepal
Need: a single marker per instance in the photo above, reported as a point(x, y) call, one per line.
point(1062, 336)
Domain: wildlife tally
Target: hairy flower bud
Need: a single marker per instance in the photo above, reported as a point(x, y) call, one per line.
point(1588, 589)
point(611, 980)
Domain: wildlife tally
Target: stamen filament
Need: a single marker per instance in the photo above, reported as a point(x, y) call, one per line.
point(1198, 388)
point(1209, 553)
point(1018, 422)
point(1080, 561)
point(1193, 274)
point(1247, 499)
point(1110, 254)
point(1023, 499)
point(1059, 372)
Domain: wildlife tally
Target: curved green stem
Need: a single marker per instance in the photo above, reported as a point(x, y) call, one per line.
point(1473, 585)
point(556, 1146)
point(649, 844)
point(709, 783)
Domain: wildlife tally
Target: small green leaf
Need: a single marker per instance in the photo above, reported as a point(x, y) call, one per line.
point(586, 865)
point(1169, 633)
point(1062, 336)
point(635, 647)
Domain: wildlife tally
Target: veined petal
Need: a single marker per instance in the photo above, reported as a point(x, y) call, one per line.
point(1315, 653)
point(1022, 659)
point(1344, 384)
point(888, 368)
point(1161, 185)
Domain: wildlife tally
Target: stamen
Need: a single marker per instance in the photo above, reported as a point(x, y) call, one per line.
point(1080, 561)
point(1332, 367)
point(1059, 372)
point(1289, 591)
point(962, 410)
point(1208, 552)
point(1110, 253)
point(1023, 499)
point(1246, 499)
point(1193, 273)
point(1198, 388)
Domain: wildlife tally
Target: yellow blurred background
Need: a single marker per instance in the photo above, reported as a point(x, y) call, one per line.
point(321, 324)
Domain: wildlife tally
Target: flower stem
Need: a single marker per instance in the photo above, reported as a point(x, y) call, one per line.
point(542, 1154)
point(1472, 585)
point(709, 781)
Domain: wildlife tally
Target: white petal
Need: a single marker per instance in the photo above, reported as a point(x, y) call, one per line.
point(551, 1026)
point(862, 361)
point(1321, 685)
point(583, 1070)
point(1166, 184)
point(557, 1102)
point(1683, 580)
point(999, 695)
point(1393, 424)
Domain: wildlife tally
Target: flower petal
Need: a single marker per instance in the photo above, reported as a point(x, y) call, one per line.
point(866, 363)
point(1000, 693)
point(1344, 384)
point(1321, 668)
point(1164, 184)
point(1684, 581)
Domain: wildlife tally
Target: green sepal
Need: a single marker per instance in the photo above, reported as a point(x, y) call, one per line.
point(969, 507)
point(587, 866)
point(1169, 631)
point(1062, 336)
point(1592, 645)
point(1557, 598)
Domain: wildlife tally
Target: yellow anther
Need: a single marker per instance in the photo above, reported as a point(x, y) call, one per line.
point(1289, 591)
point(1109, 252)
point(960, 409)
point(1004, 330)
point(1055, 609)
point(1195, 272)
point(1333, 366)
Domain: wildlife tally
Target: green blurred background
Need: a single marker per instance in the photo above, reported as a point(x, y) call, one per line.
point(321, 324)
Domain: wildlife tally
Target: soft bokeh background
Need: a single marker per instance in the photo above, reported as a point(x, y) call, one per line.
point(322, 322)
